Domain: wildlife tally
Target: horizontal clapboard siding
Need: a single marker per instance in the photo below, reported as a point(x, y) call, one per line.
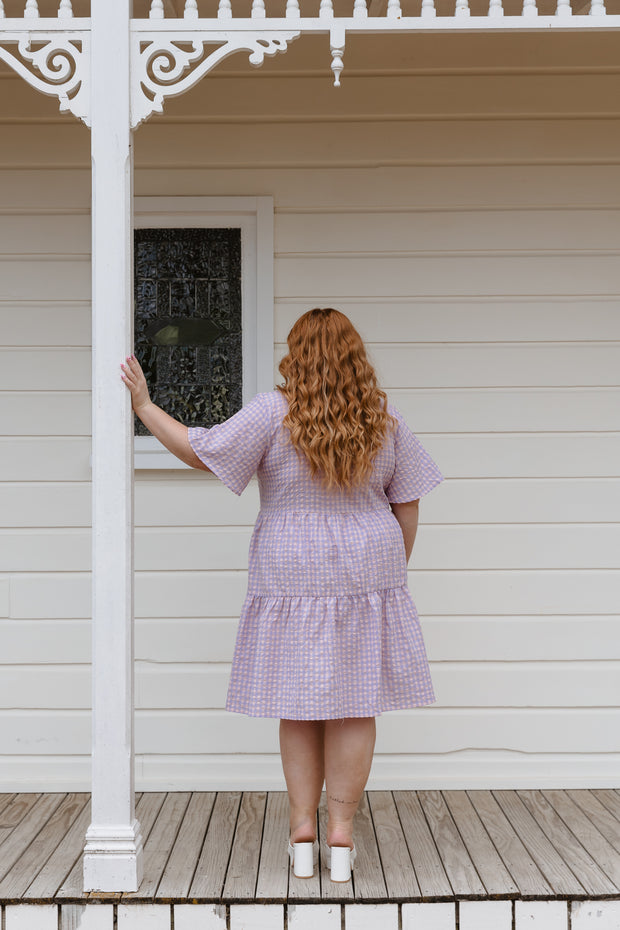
point(464, 213)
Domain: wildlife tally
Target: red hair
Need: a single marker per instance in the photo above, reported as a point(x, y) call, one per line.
point(337, 414)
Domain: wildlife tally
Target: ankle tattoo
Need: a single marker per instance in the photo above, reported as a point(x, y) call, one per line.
point(341, 800)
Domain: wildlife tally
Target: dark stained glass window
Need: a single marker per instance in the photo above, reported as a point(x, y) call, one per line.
point(188, 321)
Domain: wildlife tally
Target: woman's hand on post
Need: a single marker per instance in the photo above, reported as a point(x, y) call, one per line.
point(133, 376)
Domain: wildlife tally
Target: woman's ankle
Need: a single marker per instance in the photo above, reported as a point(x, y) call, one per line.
point(340, 834)
point(303, 831)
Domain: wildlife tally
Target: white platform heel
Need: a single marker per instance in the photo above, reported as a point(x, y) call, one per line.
point(340, 861)
point(302, 859)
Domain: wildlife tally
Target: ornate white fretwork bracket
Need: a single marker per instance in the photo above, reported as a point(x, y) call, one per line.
point(53, 59)
point(165, 65)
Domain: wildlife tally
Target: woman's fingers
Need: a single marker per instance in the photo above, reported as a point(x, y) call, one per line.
point(133, 376)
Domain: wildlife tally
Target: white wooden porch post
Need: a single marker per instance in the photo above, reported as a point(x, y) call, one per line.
point(113, 853)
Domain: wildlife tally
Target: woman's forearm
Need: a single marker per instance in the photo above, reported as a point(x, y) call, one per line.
point(171, 433)
point(407, 516)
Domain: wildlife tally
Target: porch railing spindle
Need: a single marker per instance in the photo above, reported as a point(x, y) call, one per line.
point(530, 8)
point(32, 10)
point(292, 9)
point(65, 10)
point(428, 10)
point(461, 8)
point(393, 9)
point(326, 10)
point(360, 9)
point(496, 8)
point(258, 9)
point(1, 10)
point(563, 8)
point(224, 9)
point(157, 9)
point(191, 10)
point(597, 8)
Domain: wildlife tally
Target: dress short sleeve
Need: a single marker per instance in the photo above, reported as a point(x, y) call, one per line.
point(233, 450)
point(415, 472)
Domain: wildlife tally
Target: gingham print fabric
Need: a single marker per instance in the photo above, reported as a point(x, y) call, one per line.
point(328, 629)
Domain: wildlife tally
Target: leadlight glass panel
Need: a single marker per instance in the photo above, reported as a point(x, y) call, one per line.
point(188, 322)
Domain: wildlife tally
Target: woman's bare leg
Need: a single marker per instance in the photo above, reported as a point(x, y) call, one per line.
point(301, 748)
point(349, 745)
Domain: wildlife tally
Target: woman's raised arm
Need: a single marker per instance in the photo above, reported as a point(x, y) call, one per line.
point(171, 433)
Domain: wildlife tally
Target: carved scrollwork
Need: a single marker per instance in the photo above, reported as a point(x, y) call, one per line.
point(56, 65)
point(168, 67)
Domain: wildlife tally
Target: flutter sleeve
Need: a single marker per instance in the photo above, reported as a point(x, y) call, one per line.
point(233, 450)
point(415, 472)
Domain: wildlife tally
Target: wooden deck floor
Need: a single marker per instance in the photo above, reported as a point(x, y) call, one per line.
point(229, 847)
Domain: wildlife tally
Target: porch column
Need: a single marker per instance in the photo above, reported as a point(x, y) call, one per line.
point(113, 852)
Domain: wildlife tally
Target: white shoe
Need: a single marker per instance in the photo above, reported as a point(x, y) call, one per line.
point(340, 861)
point(302, 859)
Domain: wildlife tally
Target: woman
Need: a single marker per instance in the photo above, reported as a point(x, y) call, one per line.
point(329, 637)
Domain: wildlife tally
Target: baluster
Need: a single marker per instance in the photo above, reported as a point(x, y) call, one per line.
point(337, 64)
point(428, 9)
point(597, 8)
point(224, 10)
point(393, 9)
point(496, 8)
point(32, 10)
point(563, 8)
point(65, 10)
point(326, 10)
point(1, 10)
point(360, 10)
point(157, 9)
point(461, 8)
point(530, 8)
point(258, 9)
point(191, 10)
point(292, 9)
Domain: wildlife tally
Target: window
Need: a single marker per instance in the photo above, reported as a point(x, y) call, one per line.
point(203, 308)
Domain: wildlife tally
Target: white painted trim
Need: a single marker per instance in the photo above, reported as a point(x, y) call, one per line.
point(254, 217)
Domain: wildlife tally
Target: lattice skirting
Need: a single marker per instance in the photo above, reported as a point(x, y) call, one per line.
point(462, 915)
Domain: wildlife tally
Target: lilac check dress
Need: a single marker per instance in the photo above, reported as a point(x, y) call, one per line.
point(328, 629)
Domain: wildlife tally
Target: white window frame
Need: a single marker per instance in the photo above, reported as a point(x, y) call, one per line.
point(254, 217)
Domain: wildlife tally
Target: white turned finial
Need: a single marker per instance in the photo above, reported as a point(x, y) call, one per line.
point(337, 64)
point(530, 8)
point(32, 10)
point(65, 10)
point(292, 9)
point(224, 10)
point(393, 9)
point(326, 10)
point(496, 8)
point(191, 10)
point(258, 9)
point(157, 9)
point(428, 9)
point(360, 10)
point(563, 8)
point(597, 8)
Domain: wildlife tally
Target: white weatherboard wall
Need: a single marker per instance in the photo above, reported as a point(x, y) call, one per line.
point(458, 198)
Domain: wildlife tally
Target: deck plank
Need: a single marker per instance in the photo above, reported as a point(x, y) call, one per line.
point(610, 799)
point(598, 814)
point(599, 849)
point(27, 828)
point(461, 870)
point(330, 891)
point(210, 874)
point(594, 880)
point(494, 875)
point(368, 880)
point(178, 873)
point(543, 852)
point(273, 870)
point(526, 874)
point(61, 862)
point(429, 869)
point(36, 854)
point(398, 871)
point(158, 846)
point(14, 811)
point(242, 873)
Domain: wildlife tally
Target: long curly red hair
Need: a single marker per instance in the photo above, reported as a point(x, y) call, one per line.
point(337, 415)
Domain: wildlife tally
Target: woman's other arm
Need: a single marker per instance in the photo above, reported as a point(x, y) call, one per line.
point(407, 516)
point(171, 433)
